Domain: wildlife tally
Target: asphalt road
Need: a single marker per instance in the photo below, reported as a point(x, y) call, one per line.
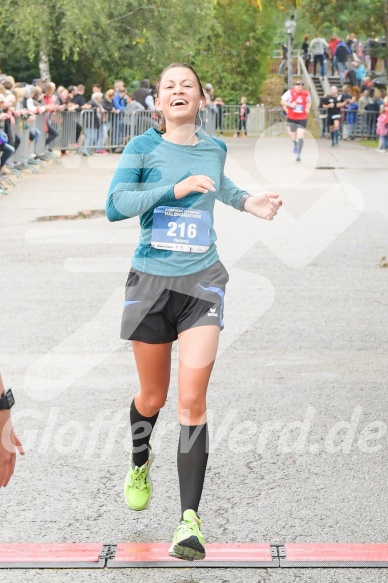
point(297, 403)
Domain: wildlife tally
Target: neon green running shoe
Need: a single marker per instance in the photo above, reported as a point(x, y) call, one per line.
point(138, 485)
point(188, 542)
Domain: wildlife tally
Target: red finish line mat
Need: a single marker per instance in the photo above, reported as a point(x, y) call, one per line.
point(52, 556)
point(217, 555)
point(232, 555)
point(333, 555)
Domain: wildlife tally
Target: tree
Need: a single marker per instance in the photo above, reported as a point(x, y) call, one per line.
point(97, 41)
point(173, 30)
point(236, 53)
point(146, 34)
point(40, 25)
point(360, 16)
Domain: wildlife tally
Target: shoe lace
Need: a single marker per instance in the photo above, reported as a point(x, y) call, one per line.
point(138, 477)
point(191, 525)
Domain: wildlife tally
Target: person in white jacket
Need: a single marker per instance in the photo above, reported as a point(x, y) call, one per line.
point(317, 48)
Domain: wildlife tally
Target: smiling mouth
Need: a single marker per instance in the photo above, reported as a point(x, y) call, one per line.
point(178, 102)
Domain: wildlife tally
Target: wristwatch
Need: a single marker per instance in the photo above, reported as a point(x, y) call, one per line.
point(7, 400)
point(242, 201)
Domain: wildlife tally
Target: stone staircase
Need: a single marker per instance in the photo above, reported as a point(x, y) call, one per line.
point(335, 80)
point(331, 80)
point(318, 85)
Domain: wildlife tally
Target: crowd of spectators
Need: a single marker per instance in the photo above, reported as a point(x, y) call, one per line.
point(339, 55)
point(109, 111)
point(364, 108)
point(108, 114)
point(21, 103)
point(74, 122)
point(363, 112)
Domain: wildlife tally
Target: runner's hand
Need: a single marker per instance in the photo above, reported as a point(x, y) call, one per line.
point(264, 205)
point(9, 445)
point(199, 183)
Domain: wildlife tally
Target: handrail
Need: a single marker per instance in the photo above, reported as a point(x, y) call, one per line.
point(309, 83)
point(325, 85)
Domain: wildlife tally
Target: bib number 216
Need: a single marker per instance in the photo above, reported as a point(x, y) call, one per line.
point(182, 230)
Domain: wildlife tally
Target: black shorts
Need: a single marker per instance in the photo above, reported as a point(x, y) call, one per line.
point(333, 118)
point(158, 308)
point(293, 124)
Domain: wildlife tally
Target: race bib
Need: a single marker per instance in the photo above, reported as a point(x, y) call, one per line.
point(299, 108)
point(181, 229)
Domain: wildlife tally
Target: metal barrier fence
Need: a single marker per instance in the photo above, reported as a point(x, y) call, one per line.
point(23, 131)
point(353, 124)
point(91, 131)
point(28, 139)
point(259, 119)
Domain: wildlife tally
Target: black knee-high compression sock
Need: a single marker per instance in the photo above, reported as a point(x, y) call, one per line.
point(300, 145)
point(193, 451)
point(141, 428)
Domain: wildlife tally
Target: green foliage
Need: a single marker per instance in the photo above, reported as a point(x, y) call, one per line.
point(235, 56)
point(227, 41)
point(363, 17)
point(88, 41)
point(15, 63)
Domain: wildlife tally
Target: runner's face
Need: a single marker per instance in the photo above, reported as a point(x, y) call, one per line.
point(179, 95)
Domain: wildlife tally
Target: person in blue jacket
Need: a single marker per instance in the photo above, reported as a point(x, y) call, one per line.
point(171, 178)
point(351, 110)
point(342, 55)
point(119, 104)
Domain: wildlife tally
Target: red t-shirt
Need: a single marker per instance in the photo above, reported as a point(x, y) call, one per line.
point(300, 98)
point(333, 45)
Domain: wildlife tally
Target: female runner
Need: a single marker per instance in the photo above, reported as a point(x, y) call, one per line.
point(175, 289)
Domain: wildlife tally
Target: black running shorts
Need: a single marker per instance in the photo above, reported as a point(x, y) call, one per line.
point(293, 124)
point(158, 308)
point(332, 118)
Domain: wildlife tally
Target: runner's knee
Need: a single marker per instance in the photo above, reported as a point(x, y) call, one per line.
point(193, 403)
point(149, 405)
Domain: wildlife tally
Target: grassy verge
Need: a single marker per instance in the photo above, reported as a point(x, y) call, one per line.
point(369, 143)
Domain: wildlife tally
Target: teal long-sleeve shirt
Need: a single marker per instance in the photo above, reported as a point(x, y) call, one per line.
point(145, 178)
